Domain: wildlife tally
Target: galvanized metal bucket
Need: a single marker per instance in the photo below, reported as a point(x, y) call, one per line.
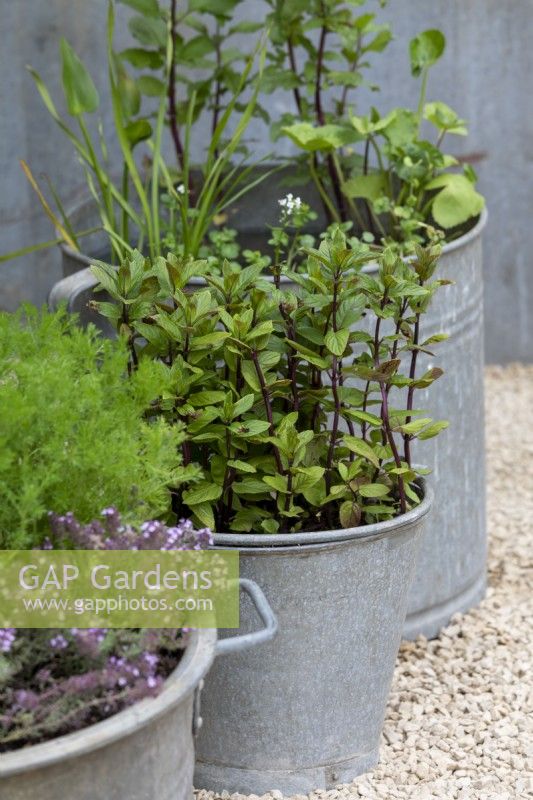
point(306, 711)
point(451, 573)
point(144, 752)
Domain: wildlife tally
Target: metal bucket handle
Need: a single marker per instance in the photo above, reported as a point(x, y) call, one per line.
point(235, 644)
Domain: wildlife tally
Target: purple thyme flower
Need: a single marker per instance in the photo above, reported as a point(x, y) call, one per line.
point(7, 637)
point(58, 642)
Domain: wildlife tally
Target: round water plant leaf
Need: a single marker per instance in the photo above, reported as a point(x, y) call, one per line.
point(426, 49)
point(457, 202)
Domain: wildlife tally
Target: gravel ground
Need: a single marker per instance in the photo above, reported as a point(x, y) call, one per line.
point(457, 725)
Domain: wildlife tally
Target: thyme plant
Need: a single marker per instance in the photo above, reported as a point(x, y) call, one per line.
point(55, 682)
point(296, 393)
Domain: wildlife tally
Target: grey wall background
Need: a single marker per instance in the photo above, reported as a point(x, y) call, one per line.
point(485, 75)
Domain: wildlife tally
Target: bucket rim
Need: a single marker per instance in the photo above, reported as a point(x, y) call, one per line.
point(450, 247)
point(269, 542)
point(194, 664)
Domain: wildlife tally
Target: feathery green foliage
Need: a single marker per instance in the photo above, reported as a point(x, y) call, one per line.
point(72, 431)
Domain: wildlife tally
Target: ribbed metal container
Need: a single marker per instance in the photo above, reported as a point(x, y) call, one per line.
point(145, 752)
point(306, 711)
point(451, 569)
point(452, 564)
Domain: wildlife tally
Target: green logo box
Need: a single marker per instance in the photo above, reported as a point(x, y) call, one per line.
point(119, 589)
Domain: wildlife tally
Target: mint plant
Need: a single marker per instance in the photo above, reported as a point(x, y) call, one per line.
point(296, 395)
point(73, 429)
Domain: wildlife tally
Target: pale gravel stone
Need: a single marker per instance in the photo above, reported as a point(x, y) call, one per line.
point(460, 716)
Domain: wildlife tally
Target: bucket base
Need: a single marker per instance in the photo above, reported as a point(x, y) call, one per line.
point(217, 777)
point(430, 621)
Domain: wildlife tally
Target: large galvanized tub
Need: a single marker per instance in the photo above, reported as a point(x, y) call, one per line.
point(451, 569)
point(451, 573)
point(145, 752)
point(306, 711)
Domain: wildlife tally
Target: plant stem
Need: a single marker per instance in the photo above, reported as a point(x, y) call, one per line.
point(423, 92)
point(394, 351)
point(294, 69)
point(216, 107)
point(171, 91)
point(353, 67)
point(365, 405)
point(292, 360)
point(268, 408)
point(334, 389)
point(411, 390)
point(321, 119)
point(390, 438)
point(340, 181)
point(385, 413)
point(331, 211)
point(318, 76)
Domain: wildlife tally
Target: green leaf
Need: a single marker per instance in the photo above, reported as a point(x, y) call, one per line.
point(214, 7)
point(206, 398)
point(433, 430)
point(202, 492)
point(445, 119)
point(142, 59)
point(323, 137)
point(148, 31)
point(373, 490)
point(250, 486)
point(130, 96)
point(425, 50)
point(277, 482)
point(337, 341)
point(249, 374)
point(196, 48)
point(138, 131)
point(365, 416)
point(361, 448)
point(368, 186)
point(249, 428)
point(210, 340)
point(307, 477)
point(415, 426)
point(150, 86)
point(379, 511)
point(428, 378)
point(338, 78)
point(401, 128)
point(241, 466)
point(457, 202)
point(106, 277)
point(148, 7)
point(270, 525)
point(243, 405)
point(246, 27)
point(204, 513)
point(349, 514)
point(309, 355)
point(78, 87)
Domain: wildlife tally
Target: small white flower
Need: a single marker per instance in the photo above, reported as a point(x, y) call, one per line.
point(290, 204)
point(180, 189)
